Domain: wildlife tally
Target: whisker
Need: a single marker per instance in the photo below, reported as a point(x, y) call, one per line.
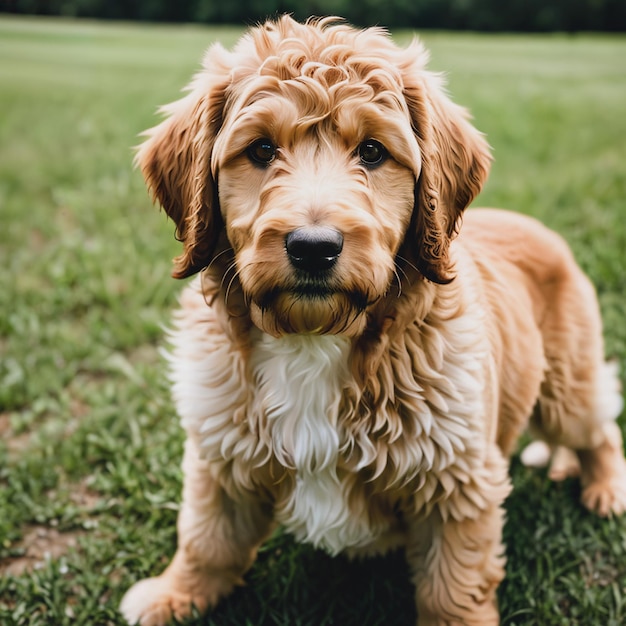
point(203, 287)
point(399, 280)
point(408, 263)
point(397, 269)
point(216, 257)
point(207, 270)
point(230, 284)
point(230, 268)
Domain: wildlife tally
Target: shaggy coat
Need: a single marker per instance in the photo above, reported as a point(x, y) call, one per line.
point(345, 365)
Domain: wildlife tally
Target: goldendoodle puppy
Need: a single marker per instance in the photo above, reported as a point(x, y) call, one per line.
point(345, 365)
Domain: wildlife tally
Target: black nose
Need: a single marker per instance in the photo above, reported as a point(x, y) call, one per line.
point(314, 249)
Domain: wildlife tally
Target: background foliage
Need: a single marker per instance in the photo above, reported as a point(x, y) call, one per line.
point(482, 15)
point(90, 446)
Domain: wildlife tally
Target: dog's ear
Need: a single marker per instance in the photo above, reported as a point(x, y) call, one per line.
point(175, 160)
point(455, 164)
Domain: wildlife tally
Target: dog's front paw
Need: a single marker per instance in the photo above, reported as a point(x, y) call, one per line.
point(154, 602)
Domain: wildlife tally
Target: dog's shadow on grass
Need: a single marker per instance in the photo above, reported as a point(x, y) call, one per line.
point(296, 585)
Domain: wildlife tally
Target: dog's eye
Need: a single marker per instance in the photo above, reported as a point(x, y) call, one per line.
point(262, 151)
point(371, 152)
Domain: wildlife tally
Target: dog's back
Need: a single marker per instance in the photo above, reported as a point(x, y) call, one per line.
point(549, 337)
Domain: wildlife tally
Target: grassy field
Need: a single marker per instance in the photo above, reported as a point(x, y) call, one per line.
point(89, 445)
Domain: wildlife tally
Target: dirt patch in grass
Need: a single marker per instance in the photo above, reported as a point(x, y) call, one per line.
point(39, 544)
point(15, 443)
point(43, 542)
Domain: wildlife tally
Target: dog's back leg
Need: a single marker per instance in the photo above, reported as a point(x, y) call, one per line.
point(580, 395)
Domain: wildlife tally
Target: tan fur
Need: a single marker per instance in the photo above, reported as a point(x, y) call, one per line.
point(374, 408)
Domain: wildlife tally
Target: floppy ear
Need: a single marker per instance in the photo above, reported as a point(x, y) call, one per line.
point(455, 164)
point(176, 163)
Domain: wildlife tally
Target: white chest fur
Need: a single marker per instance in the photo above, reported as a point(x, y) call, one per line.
point(285, 399)
point(299, 382)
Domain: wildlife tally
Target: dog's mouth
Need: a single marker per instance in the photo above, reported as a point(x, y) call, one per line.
point(317, 290)
point(312, 306)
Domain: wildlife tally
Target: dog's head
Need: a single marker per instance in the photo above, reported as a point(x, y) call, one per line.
point(328, 159)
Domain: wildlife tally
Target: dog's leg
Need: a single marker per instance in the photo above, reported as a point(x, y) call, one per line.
point(603, 467)
point(458, 566)
point(217, 542)
point(580, 397)
point(603, 474)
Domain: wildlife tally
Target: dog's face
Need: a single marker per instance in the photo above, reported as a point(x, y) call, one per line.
point(331, 160)
point(316, 165)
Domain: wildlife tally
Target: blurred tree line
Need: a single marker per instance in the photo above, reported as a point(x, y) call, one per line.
point(481, 15)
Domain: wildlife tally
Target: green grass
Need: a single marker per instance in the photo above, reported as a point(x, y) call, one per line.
point(89, 445)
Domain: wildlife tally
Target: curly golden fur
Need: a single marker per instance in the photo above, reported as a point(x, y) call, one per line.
point(346, 365)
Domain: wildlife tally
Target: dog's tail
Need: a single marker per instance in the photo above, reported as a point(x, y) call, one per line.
point(609, 399)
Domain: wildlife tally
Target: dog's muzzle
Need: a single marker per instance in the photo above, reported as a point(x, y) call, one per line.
point(315, 249)
point(312, 294)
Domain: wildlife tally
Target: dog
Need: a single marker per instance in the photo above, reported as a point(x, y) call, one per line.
point(349, 362)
